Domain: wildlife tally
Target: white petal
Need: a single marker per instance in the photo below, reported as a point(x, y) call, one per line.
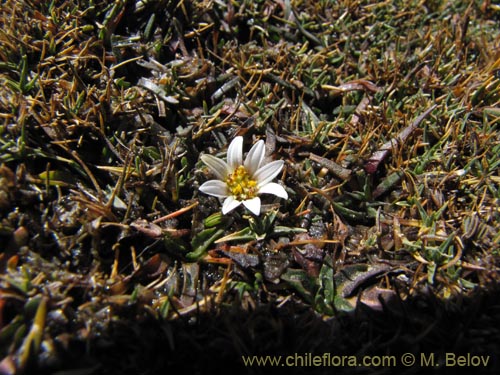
point(253, 205)
point(217, 166)
point(229, 204)
point(274, 188)
point(269, 171)
point(255, 157)
point(214, 187)
point(235, 153)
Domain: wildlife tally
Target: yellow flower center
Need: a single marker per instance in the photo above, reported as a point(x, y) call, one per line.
point(241, 185)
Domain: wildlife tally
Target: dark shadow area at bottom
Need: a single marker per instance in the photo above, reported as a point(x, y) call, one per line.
point(439, 335)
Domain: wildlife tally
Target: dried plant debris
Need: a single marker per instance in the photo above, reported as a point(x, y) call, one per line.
point(377, 122)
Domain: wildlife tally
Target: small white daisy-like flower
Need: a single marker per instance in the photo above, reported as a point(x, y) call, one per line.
point(241, 182)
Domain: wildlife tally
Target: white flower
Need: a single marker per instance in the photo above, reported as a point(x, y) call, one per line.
point(241, 182)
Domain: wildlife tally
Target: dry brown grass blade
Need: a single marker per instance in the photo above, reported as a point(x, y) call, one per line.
point(378, 156)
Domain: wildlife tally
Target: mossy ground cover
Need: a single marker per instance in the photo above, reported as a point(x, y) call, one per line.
point(385, 113)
